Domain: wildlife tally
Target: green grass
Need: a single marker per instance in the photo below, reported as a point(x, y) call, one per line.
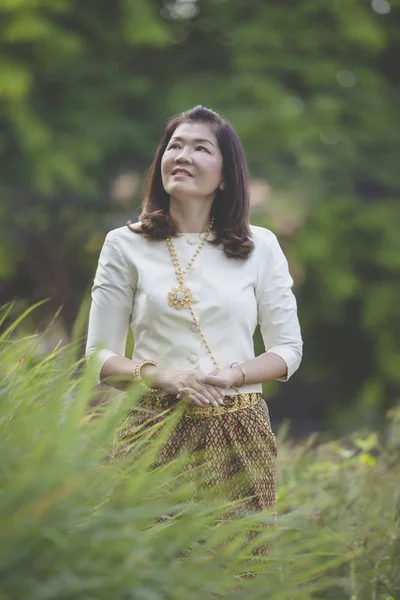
point(75, 526)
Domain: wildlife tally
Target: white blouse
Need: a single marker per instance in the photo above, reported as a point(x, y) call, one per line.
point(130, 289)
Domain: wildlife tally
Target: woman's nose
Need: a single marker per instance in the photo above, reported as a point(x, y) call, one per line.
point(183, 156)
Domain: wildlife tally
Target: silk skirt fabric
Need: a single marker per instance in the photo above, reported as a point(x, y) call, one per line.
point(233, 444)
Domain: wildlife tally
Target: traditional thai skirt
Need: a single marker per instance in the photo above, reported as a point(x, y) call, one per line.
point(234, 442)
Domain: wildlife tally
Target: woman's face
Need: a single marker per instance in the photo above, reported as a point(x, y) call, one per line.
point(191, 165)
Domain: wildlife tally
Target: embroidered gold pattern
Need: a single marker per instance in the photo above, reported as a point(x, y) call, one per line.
point(232, 404)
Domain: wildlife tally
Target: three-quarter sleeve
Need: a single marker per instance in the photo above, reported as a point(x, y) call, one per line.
point(113, 293)
point(277, 307)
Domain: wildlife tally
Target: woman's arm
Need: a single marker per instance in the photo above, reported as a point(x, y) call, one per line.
point(266, 367)
point(113, 294)
point(117, 371)
point(277, 316)
point(277, 310)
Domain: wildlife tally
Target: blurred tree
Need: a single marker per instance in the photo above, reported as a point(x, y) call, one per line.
point(77, 97)
point(311, 88)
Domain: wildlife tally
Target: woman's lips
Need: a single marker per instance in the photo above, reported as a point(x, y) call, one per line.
point(181, 172)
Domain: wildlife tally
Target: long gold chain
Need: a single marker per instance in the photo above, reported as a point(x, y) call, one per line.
point(196, 322)
point(174, 257)
point(181, 297)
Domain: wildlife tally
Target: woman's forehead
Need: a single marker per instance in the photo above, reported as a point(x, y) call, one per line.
point(195, 132)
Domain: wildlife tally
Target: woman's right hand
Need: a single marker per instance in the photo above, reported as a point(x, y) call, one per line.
point(199, 393)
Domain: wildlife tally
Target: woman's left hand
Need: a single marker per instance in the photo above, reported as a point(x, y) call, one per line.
point(221, 378)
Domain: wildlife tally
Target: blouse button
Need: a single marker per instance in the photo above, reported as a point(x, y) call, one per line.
point(192, 358)
point(193, 327)
point(192, 239)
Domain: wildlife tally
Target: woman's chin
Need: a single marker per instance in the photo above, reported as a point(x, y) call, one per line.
point(180, 191)
point(179, 184)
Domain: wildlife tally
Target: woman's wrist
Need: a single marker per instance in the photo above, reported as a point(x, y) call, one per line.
point(237, 375)
point(153, 376)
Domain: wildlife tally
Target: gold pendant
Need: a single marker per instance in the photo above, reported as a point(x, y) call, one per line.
point(180, 297)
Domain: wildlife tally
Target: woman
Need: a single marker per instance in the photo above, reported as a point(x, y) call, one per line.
point(192, 279)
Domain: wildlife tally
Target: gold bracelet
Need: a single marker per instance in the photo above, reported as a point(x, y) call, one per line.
point(138, 377)
point(243, 374)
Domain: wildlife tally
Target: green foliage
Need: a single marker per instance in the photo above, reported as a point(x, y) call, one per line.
point(355, 481)
point(65, 91)
point(75, 525)
point(350, 265)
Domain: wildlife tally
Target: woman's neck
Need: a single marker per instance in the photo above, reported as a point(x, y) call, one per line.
point(190, 219)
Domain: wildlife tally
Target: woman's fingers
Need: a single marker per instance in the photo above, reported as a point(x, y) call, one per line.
point(213, 394)
point(202, 392)
point(199, 392)
point(217, 393)
point(209, 391)
point(196, 398)
point(202, 395)
point(214, 380)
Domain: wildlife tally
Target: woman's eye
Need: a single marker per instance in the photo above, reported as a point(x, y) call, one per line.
point(203, 148)
point(173, 145)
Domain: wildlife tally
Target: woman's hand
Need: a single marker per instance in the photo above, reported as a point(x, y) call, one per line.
point(189, 384)
point(219, 379)
point(223, 379)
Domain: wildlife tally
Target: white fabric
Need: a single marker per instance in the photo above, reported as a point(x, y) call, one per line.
point(131, 285)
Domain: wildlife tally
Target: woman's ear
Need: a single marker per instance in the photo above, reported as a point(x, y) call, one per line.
point(222, 185)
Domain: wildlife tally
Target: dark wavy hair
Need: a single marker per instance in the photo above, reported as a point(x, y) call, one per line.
point(231, 205)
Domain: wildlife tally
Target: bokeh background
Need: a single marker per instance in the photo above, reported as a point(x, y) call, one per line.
point(312, 88)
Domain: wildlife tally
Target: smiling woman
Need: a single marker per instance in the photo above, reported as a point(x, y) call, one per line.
point(191, 170)
point(192, 155)
point(207, 147)
point(192, 279)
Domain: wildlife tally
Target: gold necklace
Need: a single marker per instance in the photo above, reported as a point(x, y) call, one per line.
point(181, 296)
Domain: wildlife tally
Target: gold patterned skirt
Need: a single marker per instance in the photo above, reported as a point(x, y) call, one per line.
point(234, 444)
